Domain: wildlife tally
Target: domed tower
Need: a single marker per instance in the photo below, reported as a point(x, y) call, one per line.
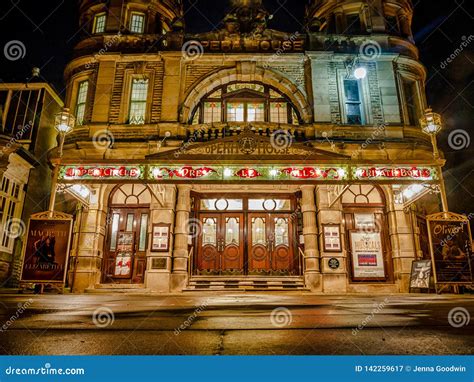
point(140, 19)
point(387, 22)
point(361, 17)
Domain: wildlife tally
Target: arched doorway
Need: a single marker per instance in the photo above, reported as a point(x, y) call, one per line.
point(127, 235)
point(367, 234)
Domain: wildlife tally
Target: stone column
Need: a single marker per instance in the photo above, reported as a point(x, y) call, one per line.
point(402, 240)
point(310, 232)
point(90, 243)
point(158, 270)
point(334, 279)
point(179, 276)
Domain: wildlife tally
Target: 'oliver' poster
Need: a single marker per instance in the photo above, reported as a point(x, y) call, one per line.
point(451, 250)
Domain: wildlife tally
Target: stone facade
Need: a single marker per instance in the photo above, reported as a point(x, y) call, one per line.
point(308, 70)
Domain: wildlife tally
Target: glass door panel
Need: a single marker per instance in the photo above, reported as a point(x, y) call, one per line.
point(232, 228)
point(209, 231)
point(281, 232)
point(259, 231)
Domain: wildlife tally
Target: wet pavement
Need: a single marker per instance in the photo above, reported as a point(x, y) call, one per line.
point(236, 323)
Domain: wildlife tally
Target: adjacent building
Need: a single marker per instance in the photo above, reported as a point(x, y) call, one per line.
point(247, 157)
point(26, 136)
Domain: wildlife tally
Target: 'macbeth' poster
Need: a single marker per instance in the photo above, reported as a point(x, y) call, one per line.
point(46, 252)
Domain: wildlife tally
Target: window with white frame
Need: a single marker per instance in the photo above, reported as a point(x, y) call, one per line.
point(353, 102)
point(137, 22)
point(81, 101)
point(99, 23)
point(138, 101)
point(10, 200)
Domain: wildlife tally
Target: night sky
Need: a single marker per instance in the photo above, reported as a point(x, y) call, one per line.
point(49, 29)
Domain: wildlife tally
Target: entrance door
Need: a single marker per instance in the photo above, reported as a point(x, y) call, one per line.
point(221, 244)
point(270, 244)
point(135, 222)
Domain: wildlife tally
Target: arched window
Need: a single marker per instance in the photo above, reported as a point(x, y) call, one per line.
point(363, 194)
point(131, 194)
point(245, 102)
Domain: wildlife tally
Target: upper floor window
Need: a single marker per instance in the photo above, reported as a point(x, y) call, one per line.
point(212, 112)
point(10, 199)
point(353, 102)
point(392, 24)
point(137, 22)
point(138, 101)
point(21, 112)
point(99, 23)
point(353, 24)
point(245, 102)
point(81, 101)
point(410, 92)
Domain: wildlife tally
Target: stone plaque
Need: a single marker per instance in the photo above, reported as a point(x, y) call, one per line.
point(159, 263)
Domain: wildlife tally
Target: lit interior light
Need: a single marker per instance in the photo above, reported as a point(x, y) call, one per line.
point(412, 190)
point(227, 172)
point(81, 190)
point(360, 73)
point(273, 172)
point(341, 172)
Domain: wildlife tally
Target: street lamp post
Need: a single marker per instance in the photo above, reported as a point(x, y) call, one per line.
point(64, 123)
point(431, 124)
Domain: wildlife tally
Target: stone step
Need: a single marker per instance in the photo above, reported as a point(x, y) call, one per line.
point(118, 288)
point(203, 283)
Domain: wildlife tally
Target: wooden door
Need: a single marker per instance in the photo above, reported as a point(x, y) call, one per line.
point(258, 244)
point(282, 243)
point(133, 220)
point(270, 244)
point(220, 246)
point(231, 237)
point(208, 244)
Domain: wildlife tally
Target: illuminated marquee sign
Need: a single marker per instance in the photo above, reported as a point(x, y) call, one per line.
point(247, 173)
point(101, 172)
point(392, 173)
point(179, 173)
point(186, 172)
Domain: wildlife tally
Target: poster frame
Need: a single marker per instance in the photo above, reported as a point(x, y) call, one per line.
point(48, 216)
